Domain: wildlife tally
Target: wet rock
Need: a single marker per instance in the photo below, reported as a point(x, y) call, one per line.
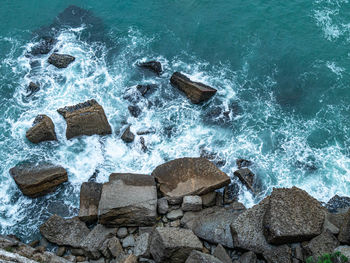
point(188, 176)
point(86, 118)
point(320, 245)
point(143, 144)
point(122, 232)
point(134, 110)
point(128, 136)
point(221, 254)
point(128, 200)
point(142, 245)
point(209, 199)
point(197, 92)
point(129, 241)
point(175, 214)
point(38, 179)
point(213, 157)
point(242, 163)
point(344, 231)
point(146, 131)
point(338, 204)
point(199, 257)
point(43, 129)
point(246, 177)
point(231, 193)
point(147, 89)
point(44, 46)
point(248, 257)
point(64, 232)
point(173, 245)
point(292, 216)
point(280, 254)
point(152, 65)
point(60, 60)
point(32, 88)
point(94, 176)
point(192, 203)
point(90, 194)
point(163, 206)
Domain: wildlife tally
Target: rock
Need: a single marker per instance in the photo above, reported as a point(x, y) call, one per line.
point(212, 224)
point(213, 157)
point(344, 250)
point(8, 256)
point(152, 65)
point(143, 144)
point(77, 251)
point(86, 118)
point(38, 179)
point(197, 92)
point(163, 206)
point(199, 257)
point(90, 194)
point(241, 163)
point(129, 259)
point(338, 204)
point(134, 110)
point(248, 257)
point(114, 247)
point(43, 129)
point(344, 231)
point(122, 232)
point(128, 200)
point(231, 193)
point(221, 254)
point(209, 199)
point(64, 232)
point(129, 241)
point(32, 88)
point(328, 225)
point(60, 251)
point(188, 176)
point(147, 89)
point(173, 245)
point(60, 60)
point(281, 254)
point(292, 216)
point(142, 245)
point(128, 136)
point(175, 214)
point(175, 223)
point(44, 46)
point(192, 203)
point(246, 177)
point(146, 131)
point(238, 206)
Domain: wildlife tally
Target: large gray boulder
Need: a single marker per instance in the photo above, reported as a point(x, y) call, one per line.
point(199, 257)
point(188, 176)
point(60, 60)
point(292, 216)
point(38, 179)
point(90, 194)
point(87, 118)
point(173, 245)
point(43, 129)
point(128, 200)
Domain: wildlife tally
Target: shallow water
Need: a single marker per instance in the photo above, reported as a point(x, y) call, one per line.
point(281, 70)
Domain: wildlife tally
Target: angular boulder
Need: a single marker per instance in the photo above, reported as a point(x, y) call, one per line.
point(128, 136)
point(38, 179)
point(280, 254)
point(87, 118)
point(344, 230)
point(60, 60)
point(44, 46)
point(64, 232)
point(197, 92)
point(32, 88)
point(199, 257)
point(246, 177)
point(90, 194)
point(292, 215)
point(146, 89)
point(128, 200)
point(173, 245)
point(43, 129)
point(152, 65)
point(221, 253)
point(188, 176)
point(192, 203)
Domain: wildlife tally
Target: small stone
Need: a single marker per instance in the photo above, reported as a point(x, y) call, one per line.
point(163, 206)
point(143, 144)
point(209, 199)
point(129, 241)
point(114, 247)
point(132, 230)
point(60, 251)
point(175, 214)
point(134, 110)
point(192, 203)
point(241, 163)
point(175, 223)
point(77, 252)
point(199, 257)
point(231, 193)
point(128, 136)
point(248, 257)
point(80, 259)
point(122, 232)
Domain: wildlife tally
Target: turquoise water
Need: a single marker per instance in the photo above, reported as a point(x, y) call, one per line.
point(281, 69)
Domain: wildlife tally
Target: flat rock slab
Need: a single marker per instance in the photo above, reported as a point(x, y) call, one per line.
point(199, 257)
point(173, 245)
point(292, 216)
point(38, 179)
point(64, 232)
point(128, 200)
point(197, 92)
point(43, 129)
point(188, 176)
point(90, 194)
point(86, 118)
point(60, 60)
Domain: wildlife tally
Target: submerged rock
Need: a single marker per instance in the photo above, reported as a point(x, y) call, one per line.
point(60, 60)
point(127, 135)
point(197, 92)
point(152, 65)
point(242, 163)
point(134, 110)
point(32, 88)
point(90, 194)
point(86, 118)
point(146, 89)
point(44, 46)
point(43, 129)
point(38, 179)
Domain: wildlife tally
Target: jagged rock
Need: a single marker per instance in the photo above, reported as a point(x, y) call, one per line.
point(213, 157)
point(128, 200)
point(134, 110)
point(142, 245)
point(64, 232)
point(152, 65)
point(38, 179)
point(221, 254)
point(328, 225)
point(146, 131)
point(344, 231)
point(147, 89)
point(32, 88)
point(112, 248)
point(246, 177)
point(197, 92)
point(338, 204)
point(43, 129)
point(231, 193)
point(122, 232)
point(175, 214)
point(128, 136)
point(199, 257)
point(163, 206)
point(292, 216)
point(173, 245)
point(209, 199)
point(188, 176)
point(90, 194)
point(241, 163)
point(44, 46)
point(143, 144)
point(192, 203)
point(248, 257)
point(60, 60)
point(86, 118)
point(212, 224)
point(280, 254)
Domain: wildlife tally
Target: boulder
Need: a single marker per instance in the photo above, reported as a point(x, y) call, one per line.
point(280, 254)
point(192, 203)
point(129, 241)
point(231, 193)
point(199, 257)
point(134, 110)
point(112, 248)
point(90, 194)
point(209, 199)
point(221, 254)
point(128, 200)
point(32, 88)
point(147, 89)
point(38, 179)
point(122, 232)
point(173, 245)
point(60, 60)
point(143, 144)
point(188, 176)
point(292, 215)
point(163, 206)
point(64, 232)
point(86, 118)
point(142, 245)
point(344, 250)
point(197, 92)
point(43, 129)
point(44, 46)
point(242, 163)
point(128, 136)
point(152, 65)
point(344, 231)
point(248, 257)
point(338, 204)
point(175, 214)
point(246, 177)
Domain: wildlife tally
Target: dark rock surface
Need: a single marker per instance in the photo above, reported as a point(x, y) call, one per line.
point(231, 193)
point(32, 88)
point(127, 135)
point(90, 194)
point(134, 110)
point(246, 177)
point(338, 204)
point(152, 65)
point(43, 129)
point(242, 163)
point(44, 46)
point(280, 254)
point(60, 60)
point(248, 257)
point(344, 231)
point(146, 89)
point(199, 257)
point(221, 254)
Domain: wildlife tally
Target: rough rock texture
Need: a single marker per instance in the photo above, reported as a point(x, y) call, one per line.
point(199, 257)
point(152, 65)
point(147, 89)
point(246, 177)
point(127, 135)
point(142, 245)
point(43, 129)
point(43, 47)
point(87, 118)
point(163, 206)
point(338, 204)
point(32, 88)
point(175, 214)
point(188, 176)
point(38, 179)
point(90, 194)
point(292, 216)
point(209, 199)
point(128, 200)
point(173, 245)
point(344, 231)
point(248, 257)
point(197, 92)
point(241, 163)
point(280, 254)
point(134, 110)
point(60, 60)
point(212, 224)
point(64, 232)
point(231, 193)
point(221, 254)
point(192, 203)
